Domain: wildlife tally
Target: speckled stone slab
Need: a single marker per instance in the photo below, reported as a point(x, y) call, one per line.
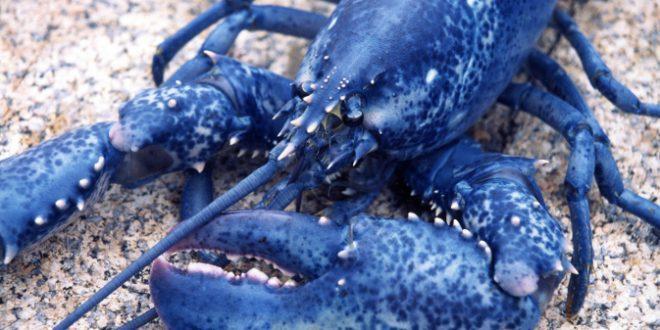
point(68, 63)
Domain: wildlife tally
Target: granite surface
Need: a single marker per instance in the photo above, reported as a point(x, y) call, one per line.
point(70, 63)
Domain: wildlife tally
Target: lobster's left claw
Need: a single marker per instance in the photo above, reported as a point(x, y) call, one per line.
point(172, 128)
point(44, 186)
point(372, 273)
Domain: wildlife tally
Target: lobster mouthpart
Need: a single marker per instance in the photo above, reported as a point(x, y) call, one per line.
point(373, 272)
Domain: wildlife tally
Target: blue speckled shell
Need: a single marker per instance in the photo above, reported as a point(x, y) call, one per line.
point(436, 66)
point(33, 181)
point(402, 274)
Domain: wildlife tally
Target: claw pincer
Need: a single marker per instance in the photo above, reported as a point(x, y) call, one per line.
point(183, 125)
point(495, 196)
point(373, 272)
point(44, 186)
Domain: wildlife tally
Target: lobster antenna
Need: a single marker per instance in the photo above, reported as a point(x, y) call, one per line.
point(141, 320)
point(255, 180)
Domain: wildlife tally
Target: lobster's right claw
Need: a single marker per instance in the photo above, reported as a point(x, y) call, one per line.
point(45, 185)
point(372, 273)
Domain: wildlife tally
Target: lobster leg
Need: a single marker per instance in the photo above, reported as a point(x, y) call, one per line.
point(219, 41)
point(342, 211)
point(608, 177)
point(168, 48)
point(43, 186)
point(197, 192)
point(599, 74)
point(196, 195)
point(363, 185)
point(277, 19)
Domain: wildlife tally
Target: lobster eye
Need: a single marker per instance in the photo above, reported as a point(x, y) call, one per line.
point(304, 89)
point(351, 110)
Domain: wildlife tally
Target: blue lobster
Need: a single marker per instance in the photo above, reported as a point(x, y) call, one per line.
point(356, 99)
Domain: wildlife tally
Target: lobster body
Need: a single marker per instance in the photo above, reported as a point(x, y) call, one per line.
point(426, 86)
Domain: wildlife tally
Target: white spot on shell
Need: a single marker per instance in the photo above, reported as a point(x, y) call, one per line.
point(39, 220)
point(431, 75)
point(297, 122)
point(61, 204)
point(98, 166)
point(515, 220)
point(457, 225)
point(312, 127)
point(324, 221)
point(332, 23)
point(84, 183)
point(289, 149)
point(199, 167)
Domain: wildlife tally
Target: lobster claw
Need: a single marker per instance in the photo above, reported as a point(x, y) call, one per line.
point(372, 272)
point(497, 198)
point(44, 186)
